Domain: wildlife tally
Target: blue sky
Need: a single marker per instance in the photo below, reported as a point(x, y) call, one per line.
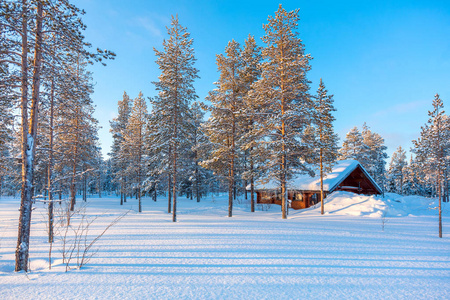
point(383, 60)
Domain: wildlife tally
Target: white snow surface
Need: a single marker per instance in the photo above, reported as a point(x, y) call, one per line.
point(344, 254)
point(305, 182)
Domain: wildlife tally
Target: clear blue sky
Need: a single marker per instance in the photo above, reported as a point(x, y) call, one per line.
point(383, 60)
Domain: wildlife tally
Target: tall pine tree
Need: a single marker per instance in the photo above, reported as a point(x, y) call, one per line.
point(396, 172)
point(224, 127)
point(326, 139)
point(282, 98)
point(119, 159)
point(433, 148)
point(171, 108)
point(134, 144)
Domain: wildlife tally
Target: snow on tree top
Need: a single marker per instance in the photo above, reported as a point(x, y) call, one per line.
point(340, 171)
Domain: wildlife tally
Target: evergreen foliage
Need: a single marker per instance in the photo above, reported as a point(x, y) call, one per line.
point(432, 149)
point(326, 139)
point(368, 148)
point(397, 171)
point(119, 159)
point(225, 126)
point(171, 108)
point(282, 100)
point(133, 146)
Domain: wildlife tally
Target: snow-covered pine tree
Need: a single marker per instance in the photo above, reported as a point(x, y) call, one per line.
point(433, 148)
point(326, 139)
point(171, 108)
point(198, 175)
point(159, 149)
point(353, 146)
point(251, 72)
point(118, 155)
point(396, 171)
point(409, 178)
point(134, 144)
point(224, 127)
point(282, 98)
point(375, 155)
point(446, 173)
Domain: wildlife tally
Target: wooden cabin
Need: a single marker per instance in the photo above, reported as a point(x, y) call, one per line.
point(304, 191)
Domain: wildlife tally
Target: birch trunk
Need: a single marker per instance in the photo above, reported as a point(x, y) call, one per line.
point(29, 134)
point(49, 169)
point(25, 205)
point(321, 182)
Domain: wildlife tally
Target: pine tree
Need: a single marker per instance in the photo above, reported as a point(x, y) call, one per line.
point(134, 144)
point(326, 139)
point(397, 169)
point(224, 127)
point(282, 98)
point(198, 175)
point(118, 154)
point(433, 148)
point(353, 146)
point(375, 155)
point(171, 108)
point(251, 72)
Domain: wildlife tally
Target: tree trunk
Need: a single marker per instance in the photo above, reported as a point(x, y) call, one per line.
point(99, 183)
point(322, 210)
point(26, 204)
point(84, 184)
point(139, 167)
point(440, 205)
point(74, 166)
point(169, 198)
point(230, 193)
point(252, 185)
point(283, 146)
point(197, 194)
point(49, 171)
point(283, 176)
point(124, 189)
point(245, 180)
point(175, 149)
point(27, 187)
point(73, 181)
point(174, 186)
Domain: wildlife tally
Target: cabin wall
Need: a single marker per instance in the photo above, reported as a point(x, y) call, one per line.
point(297, 199)
point(357, 182)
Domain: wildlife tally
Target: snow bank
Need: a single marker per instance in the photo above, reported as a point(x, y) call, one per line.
point(391, 205)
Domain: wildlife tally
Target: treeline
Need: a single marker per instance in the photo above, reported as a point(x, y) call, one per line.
point(263, 122)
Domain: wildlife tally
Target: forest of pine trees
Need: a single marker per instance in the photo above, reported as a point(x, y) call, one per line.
point(262, 121)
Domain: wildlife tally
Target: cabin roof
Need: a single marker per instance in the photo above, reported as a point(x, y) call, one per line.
point(331, 181)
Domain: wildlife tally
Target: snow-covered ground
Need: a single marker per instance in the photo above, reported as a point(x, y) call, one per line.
point(344, 254)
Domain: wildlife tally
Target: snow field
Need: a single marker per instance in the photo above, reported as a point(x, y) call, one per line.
point(343, 254)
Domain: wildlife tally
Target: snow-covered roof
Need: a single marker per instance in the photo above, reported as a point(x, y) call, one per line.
point(340, 171)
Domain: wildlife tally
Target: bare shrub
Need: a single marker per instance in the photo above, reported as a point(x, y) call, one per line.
point(73, 229)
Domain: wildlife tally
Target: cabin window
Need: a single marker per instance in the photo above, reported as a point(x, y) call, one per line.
point(298, 197)
point(314, 199)
point(266, 196)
